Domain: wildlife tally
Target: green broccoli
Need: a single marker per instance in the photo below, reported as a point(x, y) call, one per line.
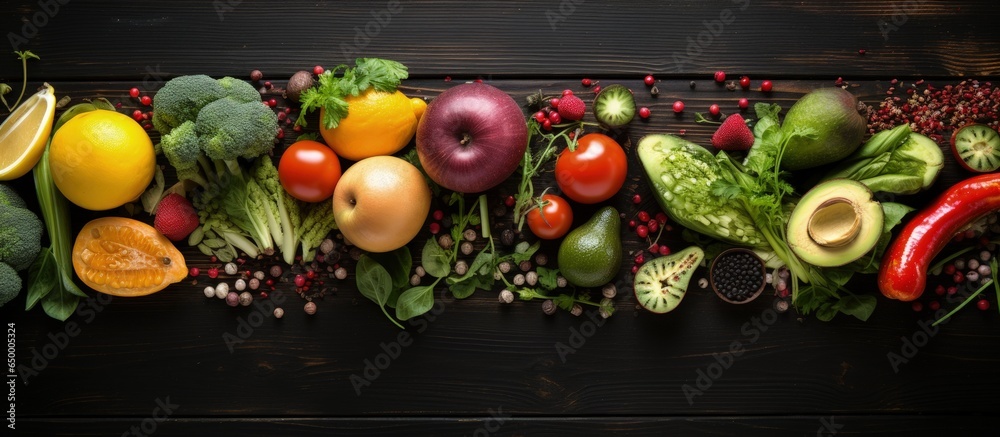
point(183, 151)
point(239, 90)
point(9, 197)
point(181, 98)
point(20, 237)
point(229, 130)
point(10, 284)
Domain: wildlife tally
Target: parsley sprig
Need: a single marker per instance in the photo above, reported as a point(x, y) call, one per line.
point(336, 85)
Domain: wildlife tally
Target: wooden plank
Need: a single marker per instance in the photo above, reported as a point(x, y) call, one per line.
point(497, 424)
point(473, 355)
point(571, 38)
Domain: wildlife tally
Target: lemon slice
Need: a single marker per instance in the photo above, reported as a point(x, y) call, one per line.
point(24, 133)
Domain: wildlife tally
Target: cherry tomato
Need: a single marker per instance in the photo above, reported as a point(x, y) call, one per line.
point(309, 171)
point(552, 220)
point(594, 172)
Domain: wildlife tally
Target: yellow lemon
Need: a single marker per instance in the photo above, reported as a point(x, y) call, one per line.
point(101, 160)
point(377, 123)
point(24, 133)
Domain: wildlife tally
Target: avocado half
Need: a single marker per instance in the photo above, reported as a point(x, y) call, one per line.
point(836, 222)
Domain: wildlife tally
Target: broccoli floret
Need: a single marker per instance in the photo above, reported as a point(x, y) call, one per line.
point(20, 237)
point(229, 130)
point(239, 90)
point(10, 284)
point(181, 98)
point(9, 197)
point(183, 151)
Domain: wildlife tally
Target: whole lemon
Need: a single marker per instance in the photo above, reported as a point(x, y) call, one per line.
point(377, 123)
point(101, 160)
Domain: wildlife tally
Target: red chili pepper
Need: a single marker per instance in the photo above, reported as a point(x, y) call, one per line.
point(903, 272)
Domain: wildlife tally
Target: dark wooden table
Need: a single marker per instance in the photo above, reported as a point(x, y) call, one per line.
point(473, 367)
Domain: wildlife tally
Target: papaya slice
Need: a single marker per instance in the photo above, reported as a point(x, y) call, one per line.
point(125, 257)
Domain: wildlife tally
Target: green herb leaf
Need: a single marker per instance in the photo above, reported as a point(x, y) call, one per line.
point(382, 74)
point(524, 252)
point(398, 263)
point(60, 305)
point(861, 306)
point(331, 91)
point(547, 278)
point(43, 276)
point(435, 259)
point(414, 302)
point(373, 280)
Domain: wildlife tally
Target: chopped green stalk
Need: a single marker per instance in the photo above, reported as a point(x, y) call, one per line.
point(964, 302)
point(484, 216)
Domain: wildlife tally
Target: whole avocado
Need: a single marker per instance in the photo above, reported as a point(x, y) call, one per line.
point(591, 255)
point(835, 115)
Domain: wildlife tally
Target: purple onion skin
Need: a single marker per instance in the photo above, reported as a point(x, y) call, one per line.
point(489, 122)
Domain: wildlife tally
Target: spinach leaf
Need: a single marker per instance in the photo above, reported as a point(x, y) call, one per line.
point(435, 259)
point(398, 263)
point(60, 305)
point(414, 302)
point(860, 306)
point(43, 276)
point(374, 282)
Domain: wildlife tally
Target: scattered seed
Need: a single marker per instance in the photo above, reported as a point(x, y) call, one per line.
point(420, 271)
point(445, 241)
point(231, 268)
point(415, 280)
point(972, 275)
point(549, 307)
point(466, 248)
point(507, 237)
point(984, 255)
point(960, 264)
point(327, 246)
point(232, 299)
point(254, 283)
point(561, 282)
point(609, 291)
point(241, 284)
point(279, 313)
point(209, 291)
point(577, 310)
point(781, 306)
point(506, 296)
point(541, 259)
point(461, 268)
point(531, 278)
point(524, 265)
point(984, 270)
point(340, 273)
point(246, 298)
point(310, 308)
point(504, 267)
point(703, 283)
point(469, 235)
point(518, 279)
point(972, 264)
point(258, 275)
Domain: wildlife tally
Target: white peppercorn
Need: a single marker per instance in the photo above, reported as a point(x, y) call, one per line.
point(577, 310)
point(220, 293)
point(254, 283)
point(984, 270)
point(445, 241)
point(506, 296)
point(768, 278)
point(703, 283)
point(973, 264)
point(518, 279)
point(245, 298)
point(561, 282)
point(461, 267)
point(276, 270)
point(231, 269)
point(541, 259)
point(415, 280)
point(209, 291)
point(327, 246)
point(985, 255)
point(420, 271)
point(469, 235)
point(531, 278)
point(549, 307)
point(604, 313)
point(259, 275)
point(310, 308)
point(504, 267)
point(781, 306)
point(223, 286)
point(466, 248)
point(609, 291)
point(279, 313)
point(241, 284)
point(972, 275)
point(340, 273)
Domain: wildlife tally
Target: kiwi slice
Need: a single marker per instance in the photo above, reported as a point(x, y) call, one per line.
point(977, 148)
point(614, 106)
point(661, 283)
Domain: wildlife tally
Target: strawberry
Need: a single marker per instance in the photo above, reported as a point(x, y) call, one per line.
point(733, 134)
point(175, 217)
point(571, 108)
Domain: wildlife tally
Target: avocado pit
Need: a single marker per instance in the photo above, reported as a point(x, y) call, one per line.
point(834, 223)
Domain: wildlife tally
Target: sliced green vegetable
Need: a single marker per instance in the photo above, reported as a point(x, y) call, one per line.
point(893, 161)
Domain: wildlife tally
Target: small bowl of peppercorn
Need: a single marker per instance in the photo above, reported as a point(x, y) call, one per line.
point(737, 275)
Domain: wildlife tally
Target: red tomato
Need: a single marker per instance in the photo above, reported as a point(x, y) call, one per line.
point(594, 172)
point(551, 220)
point(309, 171)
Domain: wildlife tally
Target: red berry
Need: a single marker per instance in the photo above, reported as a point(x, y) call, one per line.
point(194, 272)
point(434, 228)
point(861, 51)
point(635, 269)
point(839, 81)
point(137, 115)
point(268, 85)
point(766, 86)
point(300, 281)
point(958, 277)
point(213, 272)
point(917, 306)
point(540, 116)
point(567, 92)
point(555, 118)
point(256, 75)
point(653, 225)
point(631, 224)
point(744, 103)
point(318, 70)
point(664, 250)
point(940, 290)
point(134, 92)
point(438, 214)
point(640, 258)
point(934, 305)
point(952, 290)
point(720, 76)
point(949, 269)
point(649, 80)
point(547, 124)
point(643, 216)
point(678, 106)
point(479, 80)
point(661, 217)
point(272, 103)
point(745, 82)
point(586, 82)
point(509, 201)
point(642, 231)
point(554, 102)
point(636, 199)
point(146, 100)
point(643, 112)
point(714, 110)
point(983, 304)
point(654, 249)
